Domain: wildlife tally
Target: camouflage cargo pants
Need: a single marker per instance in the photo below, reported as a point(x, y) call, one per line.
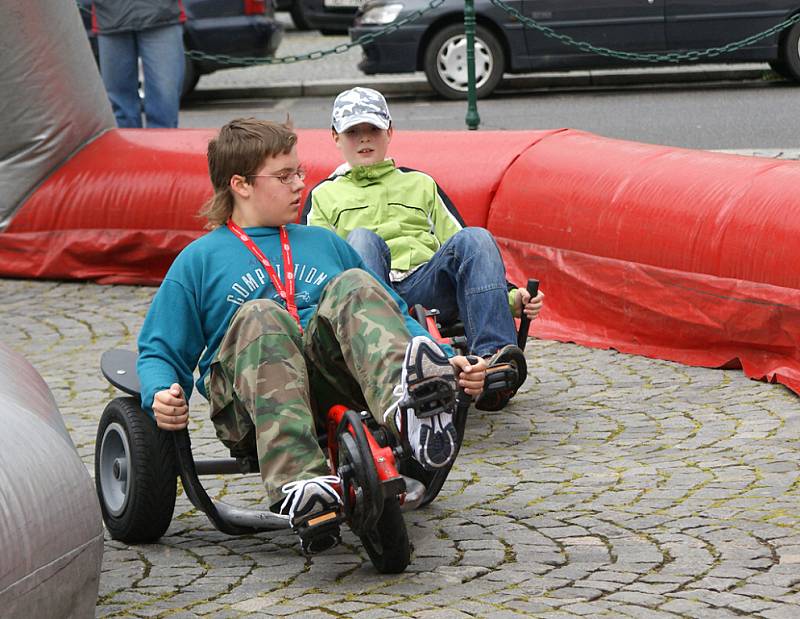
point(270, 387)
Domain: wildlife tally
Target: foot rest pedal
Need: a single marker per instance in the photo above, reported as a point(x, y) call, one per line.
point(320, 532)
point(430, 397)
point(500, 377)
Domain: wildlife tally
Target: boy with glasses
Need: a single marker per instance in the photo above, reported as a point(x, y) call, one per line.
point(283, 321)
point(408, 232)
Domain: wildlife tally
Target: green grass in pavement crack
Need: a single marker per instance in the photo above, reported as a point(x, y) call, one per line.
point(692, 490)
point(568, 435)
point(716, 557)
point(133, 606)
point(758, 476)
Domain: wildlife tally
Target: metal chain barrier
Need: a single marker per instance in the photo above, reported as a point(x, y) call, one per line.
point(645, 56)
point(244, 61)
point(527, 22)
point(339, 49)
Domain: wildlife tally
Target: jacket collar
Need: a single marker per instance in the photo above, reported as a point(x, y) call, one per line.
point(365, 174)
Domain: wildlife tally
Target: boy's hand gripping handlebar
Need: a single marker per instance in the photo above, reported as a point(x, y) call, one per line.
point(524, 321)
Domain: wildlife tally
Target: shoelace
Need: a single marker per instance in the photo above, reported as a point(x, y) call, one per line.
point(394, 407)
point(294, 490)
point(399, 390)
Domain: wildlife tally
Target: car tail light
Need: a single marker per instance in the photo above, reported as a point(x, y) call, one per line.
point(255, 7)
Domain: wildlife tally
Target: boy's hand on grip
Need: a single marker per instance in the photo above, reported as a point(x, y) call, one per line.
point(470, 373)
point(171, 409)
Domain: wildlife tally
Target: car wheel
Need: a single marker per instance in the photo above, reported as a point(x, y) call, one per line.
point(780, 68)
point(299, 16)
point(446, 62)
point(790, 54)
point(190, 78)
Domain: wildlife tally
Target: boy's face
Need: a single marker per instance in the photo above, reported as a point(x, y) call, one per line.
point(363, 144)
point(263, 199)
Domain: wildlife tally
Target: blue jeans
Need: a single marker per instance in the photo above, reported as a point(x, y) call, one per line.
point(466, 278)
point(161, 51)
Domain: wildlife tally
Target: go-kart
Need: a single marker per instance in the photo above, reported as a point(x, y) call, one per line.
point(136, 465)
point(452, 334)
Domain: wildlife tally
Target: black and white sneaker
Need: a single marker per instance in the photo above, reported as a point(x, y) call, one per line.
point(314, 509)
point(426, 406)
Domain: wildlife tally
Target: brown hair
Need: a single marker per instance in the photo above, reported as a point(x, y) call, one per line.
point(241, 147)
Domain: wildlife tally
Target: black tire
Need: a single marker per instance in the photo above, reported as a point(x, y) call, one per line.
point(299, 16)
point(387, 543)
point(135, 473)
point(779, 68)
point(190, 78)
point(360, 485)
point(445, 62)
point(790, 54)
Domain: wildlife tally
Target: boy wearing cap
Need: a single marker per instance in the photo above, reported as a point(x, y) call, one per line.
point(410, 234)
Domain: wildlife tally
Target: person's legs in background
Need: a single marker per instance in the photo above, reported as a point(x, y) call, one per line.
point(466, 278)
point(119, 66)
point(163, 64)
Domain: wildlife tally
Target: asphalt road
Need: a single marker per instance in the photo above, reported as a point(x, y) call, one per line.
point(730, 116)
point(703, 106)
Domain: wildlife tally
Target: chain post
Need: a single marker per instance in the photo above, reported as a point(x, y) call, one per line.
point(472, 119)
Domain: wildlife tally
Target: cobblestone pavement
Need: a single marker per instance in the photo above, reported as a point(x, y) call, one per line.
point(613, 485)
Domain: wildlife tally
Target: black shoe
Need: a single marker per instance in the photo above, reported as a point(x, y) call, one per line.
point(507, 371)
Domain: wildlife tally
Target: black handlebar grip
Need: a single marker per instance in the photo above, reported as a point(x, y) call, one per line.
point(524, 321)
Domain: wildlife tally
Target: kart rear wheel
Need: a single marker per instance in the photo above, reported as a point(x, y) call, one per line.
point(134, 472)
point(387, 542)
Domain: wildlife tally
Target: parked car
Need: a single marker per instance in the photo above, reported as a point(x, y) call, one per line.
point(327, 16)
point(436, 44)
point(237, 28)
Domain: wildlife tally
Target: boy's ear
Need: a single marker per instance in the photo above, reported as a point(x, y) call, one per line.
point(390, 132)
point(240, 186)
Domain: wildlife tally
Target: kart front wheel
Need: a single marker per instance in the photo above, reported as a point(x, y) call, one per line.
point(387, 542)
point(134, 473)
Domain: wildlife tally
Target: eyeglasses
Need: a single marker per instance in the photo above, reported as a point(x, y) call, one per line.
point(285, 177)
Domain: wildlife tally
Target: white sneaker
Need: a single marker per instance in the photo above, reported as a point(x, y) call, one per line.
point(426, 405)
point(314, 510)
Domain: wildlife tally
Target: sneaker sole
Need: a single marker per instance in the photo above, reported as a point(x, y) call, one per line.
point(437, 449)
point(428, 400)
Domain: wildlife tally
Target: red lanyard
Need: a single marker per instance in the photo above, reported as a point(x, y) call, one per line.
point(287, 293)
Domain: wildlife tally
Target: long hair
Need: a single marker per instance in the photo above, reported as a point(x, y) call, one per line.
point(241, 147)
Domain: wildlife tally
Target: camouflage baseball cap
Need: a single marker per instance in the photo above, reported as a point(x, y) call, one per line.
point(360, 105)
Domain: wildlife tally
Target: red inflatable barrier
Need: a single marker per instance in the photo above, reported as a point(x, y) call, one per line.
point(126, 204)
point(683, 255)
point(689, 210)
